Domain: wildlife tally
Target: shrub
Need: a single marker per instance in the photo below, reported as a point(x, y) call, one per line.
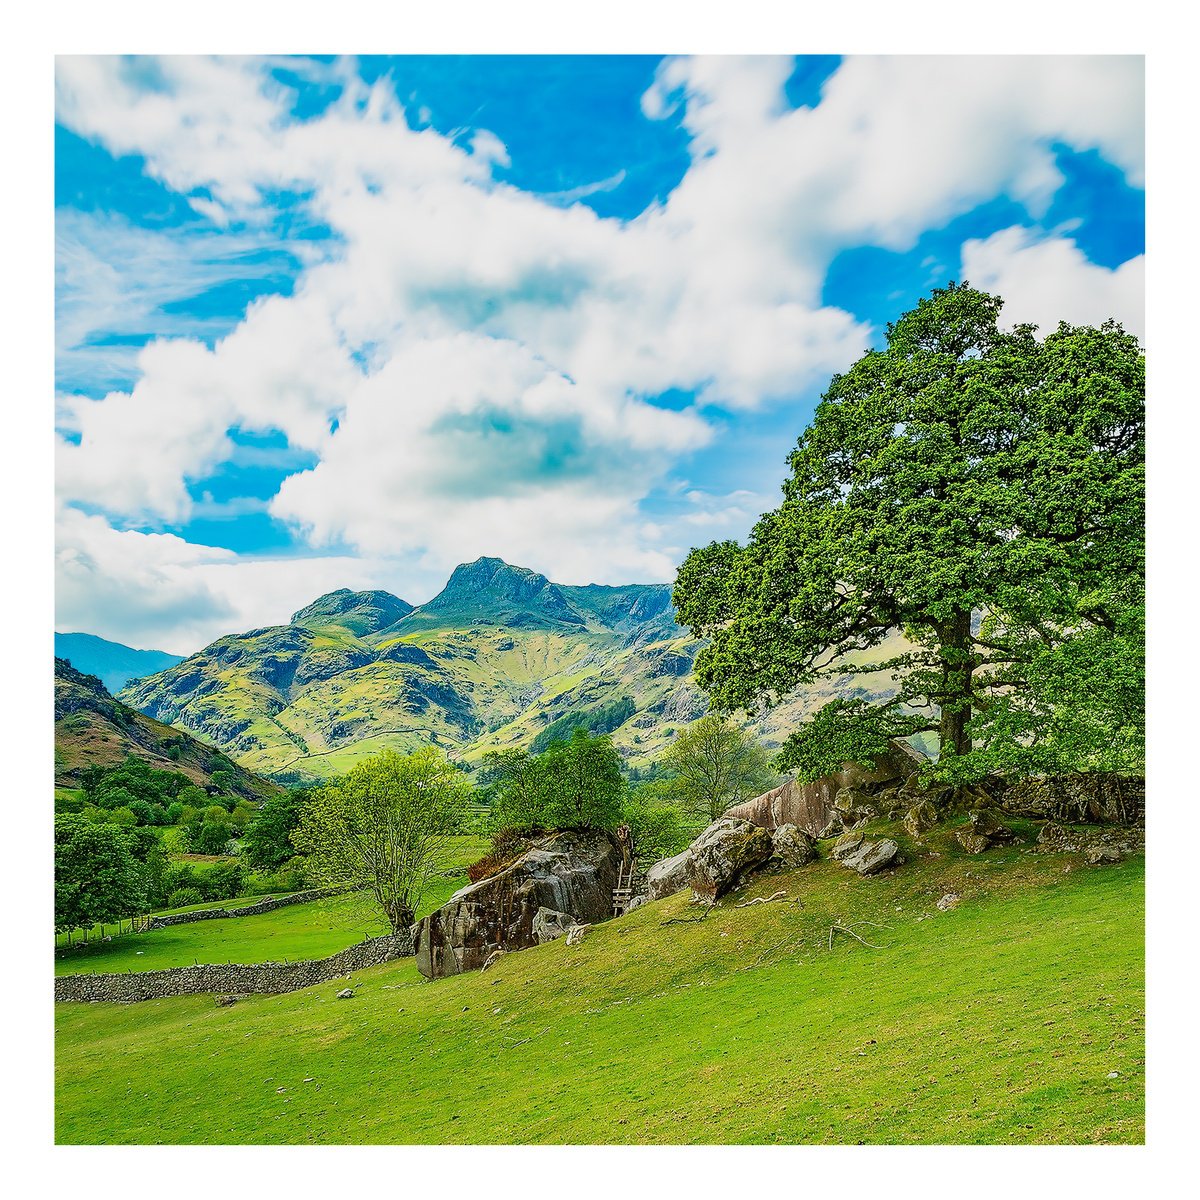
point(184, 897)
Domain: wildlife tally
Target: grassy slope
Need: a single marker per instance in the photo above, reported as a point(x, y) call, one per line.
point(998, 1021)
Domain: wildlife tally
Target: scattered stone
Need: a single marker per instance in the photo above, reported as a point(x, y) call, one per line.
point(1114, 1075)
point(668, 876)
point(226, 1001)
point(549, 924)
point(637, 902)
point(346, 994)
point(987, 824)
point(853, 805)
point(870, 857)
point(793, 846)
point(493, 958)
point(847, 844)
point(1102, 854)
point(948, 901)
point(972, 843)
point(726, 851)
point(576, 934)
point(921, 817)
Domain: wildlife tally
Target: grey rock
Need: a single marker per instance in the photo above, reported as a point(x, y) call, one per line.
point(847, 844)
point(793, 846)
point(972, 843)
point(668, 876)
point(493, 958)
point(576, 934)
point(870, 857)
point(854, 805)
point(1102, 854)
point(549, 924)
point(725, 852)
point(346, 994)
point(920, 818)
point(986, 823)
point(948, 901)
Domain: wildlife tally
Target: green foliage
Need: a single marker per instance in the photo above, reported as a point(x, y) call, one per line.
point(267, 841)
point(981, 490)
point(97, 878)
point(598, 721)
point(658, 825)
point(713, 765)
point(184, 897)
point(129, 781)
point(387, 825)
point(575, 782)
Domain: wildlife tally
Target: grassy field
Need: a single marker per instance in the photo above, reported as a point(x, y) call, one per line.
point(1001, 1020)
point(298, 931)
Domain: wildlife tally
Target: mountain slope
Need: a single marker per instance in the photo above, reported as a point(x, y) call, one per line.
point(500, 654)
point(115, 665)
point(93, 729)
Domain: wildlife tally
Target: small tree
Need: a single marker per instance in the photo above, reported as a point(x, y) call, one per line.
point(516, 781)
point(268, 840)
point(97, 877)
point(714, 765)
point(387, 826)
point(655, 821)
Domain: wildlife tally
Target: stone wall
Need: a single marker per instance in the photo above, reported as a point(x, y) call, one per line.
point(1091, 798)
point(231, 978)
point(267, 904)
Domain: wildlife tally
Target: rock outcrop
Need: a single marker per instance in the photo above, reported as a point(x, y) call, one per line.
point(725, 852)
point(813, 806)
point(983, 829)
point(1095, 798)
point(572, 874)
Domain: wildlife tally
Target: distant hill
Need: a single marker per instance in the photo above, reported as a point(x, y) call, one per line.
point(115, 665)
point(499, 656)
point(93, 729)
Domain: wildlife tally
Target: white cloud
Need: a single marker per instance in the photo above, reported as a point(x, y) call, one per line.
point(1045, 280)
point(157, 591)
point(490, 357)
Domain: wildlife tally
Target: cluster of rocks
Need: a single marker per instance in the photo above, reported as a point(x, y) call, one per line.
point(1099, 847)
point(983, 829)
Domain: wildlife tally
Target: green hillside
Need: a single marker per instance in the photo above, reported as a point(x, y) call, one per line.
point(91, 729)
point(496, 658)
point(748, 1026)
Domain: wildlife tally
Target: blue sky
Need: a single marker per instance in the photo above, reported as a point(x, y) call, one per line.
point(327, 322)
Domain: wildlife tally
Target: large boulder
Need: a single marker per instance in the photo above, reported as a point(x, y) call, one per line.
point(920, 818)
point(870, 857)
point(811, 806)
point(572, 874)
point(667, 876)
point(725, 852)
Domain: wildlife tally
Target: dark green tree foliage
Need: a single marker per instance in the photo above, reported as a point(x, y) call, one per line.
point(576, 782)
point(268, 837)
point(658, 825)
point(598, 721)
point(981, 490)
point(97, 877)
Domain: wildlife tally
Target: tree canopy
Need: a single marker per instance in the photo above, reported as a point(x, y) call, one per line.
point(714, 765)
point(97, 874)
point(386, 825)
point(981, 490)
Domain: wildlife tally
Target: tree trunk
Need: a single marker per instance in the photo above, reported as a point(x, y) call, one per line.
point(957, 668)
point(400, 917)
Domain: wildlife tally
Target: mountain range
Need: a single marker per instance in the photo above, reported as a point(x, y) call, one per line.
point(113, 664)
point(500, 657)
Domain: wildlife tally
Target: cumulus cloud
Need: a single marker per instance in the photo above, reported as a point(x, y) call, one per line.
point(1047, 279)
point(158, 590)
point(474, 368)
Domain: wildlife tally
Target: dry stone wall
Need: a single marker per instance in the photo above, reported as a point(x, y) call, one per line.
point(269, 904)
point(231, 978)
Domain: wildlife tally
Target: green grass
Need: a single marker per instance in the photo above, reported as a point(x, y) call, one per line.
point(298, 931)
point(998, 1021)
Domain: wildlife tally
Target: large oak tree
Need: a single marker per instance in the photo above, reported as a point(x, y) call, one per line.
point(982, 490)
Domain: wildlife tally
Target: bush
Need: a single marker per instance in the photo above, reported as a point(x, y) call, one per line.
point(184, 898)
